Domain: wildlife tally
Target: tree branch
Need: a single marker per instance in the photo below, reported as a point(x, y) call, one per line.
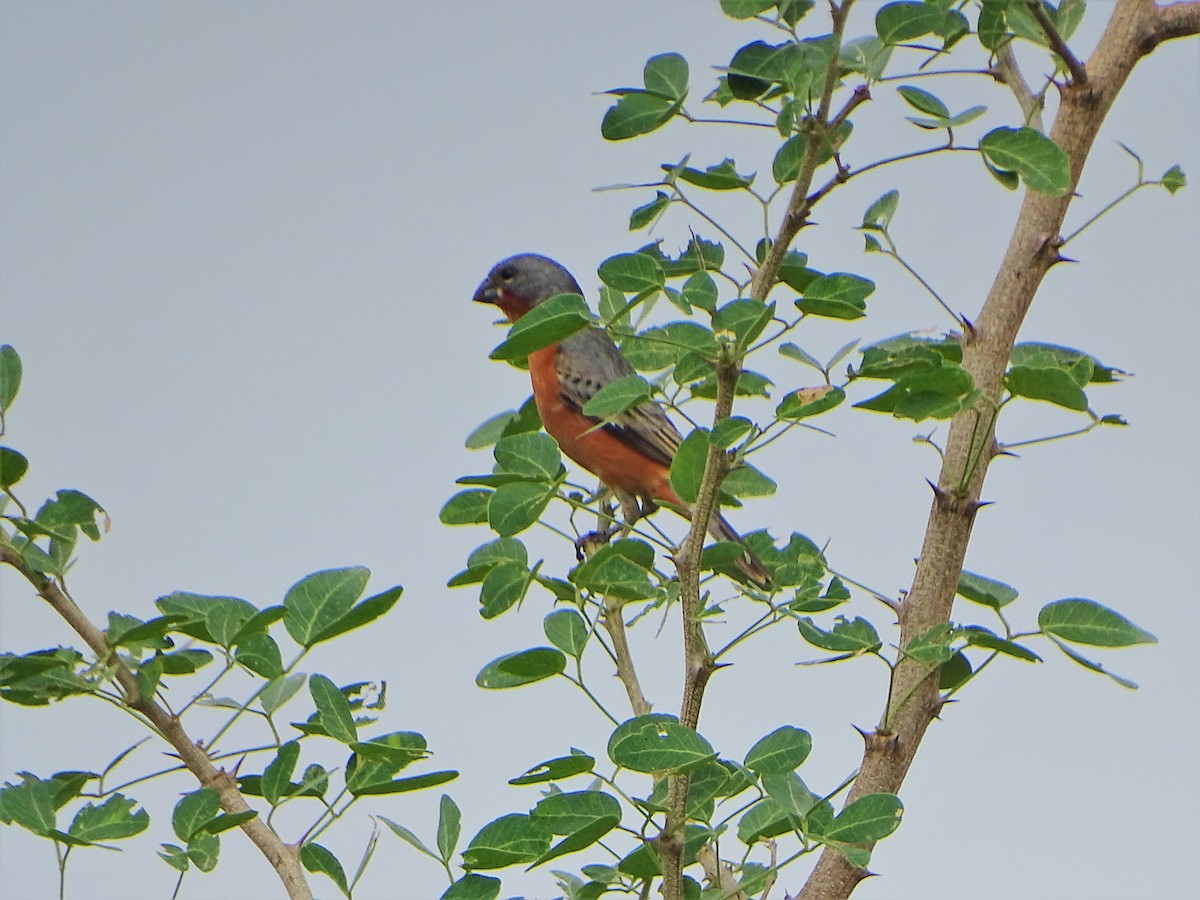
point(1057, 43)
point(1010, 74)
point(1135, 28)
point(1175, 21)
point(614, 624)
point(285, 859)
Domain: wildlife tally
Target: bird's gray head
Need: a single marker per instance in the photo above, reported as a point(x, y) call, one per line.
point(521, 282)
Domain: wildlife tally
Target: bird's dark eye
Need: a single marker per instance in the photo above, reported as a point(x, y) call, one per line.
point(508, 273)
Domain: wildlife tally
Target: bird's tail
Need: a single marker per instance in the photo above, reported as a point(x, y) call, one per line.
point(750, 564)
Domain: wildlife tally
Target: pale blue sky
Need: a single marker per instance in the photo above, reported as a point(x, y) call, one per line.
point(237, 248)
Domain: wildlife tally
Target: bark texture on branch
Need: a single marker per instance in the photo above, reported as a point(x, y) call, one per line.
point(283, 858)
point(1134, 30)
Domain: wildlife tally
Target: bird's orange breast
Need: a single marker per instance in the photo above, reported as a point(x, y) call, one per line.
point(606, 456)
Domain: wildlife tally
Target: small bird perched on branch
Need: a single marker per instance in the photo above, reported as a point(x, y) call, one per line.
point(631, 452)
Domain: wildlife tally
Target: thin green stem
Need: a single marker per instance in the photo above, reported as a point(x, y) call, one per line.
point(578, 682)
point(246, 707)
point(894, 253)
point(714, 223)
point(207, 689)
point(1121, 198)
point(1053, 437)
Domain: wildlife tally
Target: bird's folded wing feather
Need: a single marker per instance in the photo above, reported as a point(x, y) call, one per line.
point(590, 361)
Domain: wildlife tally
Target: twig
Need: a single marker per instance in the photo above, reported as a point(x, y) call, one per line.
point(1010, 73)
point(614, 624)
point(1057, 44)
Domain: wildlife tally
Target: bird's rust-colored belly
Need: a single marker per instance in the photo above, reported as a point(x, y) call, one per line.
point(606, 456)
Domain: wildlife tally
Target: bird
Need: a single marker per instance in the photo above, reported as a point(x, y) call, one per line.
point(631, 452)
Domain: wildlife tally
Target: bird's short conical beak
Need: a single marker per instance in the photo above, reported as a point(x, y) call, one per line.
point(487, 293)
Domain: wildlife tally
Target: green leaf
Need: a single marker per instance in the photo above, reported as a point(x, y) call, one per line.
point(1173, 179)
point(631, 273)
point(687, 468)
point(619, 569)
point(320, 861)
point(618, 397)
point(333, 710)
point(259, 653)
point(723, 176)
point(801, 404)
point(657, 348)
point(747, 481)
point(867, 819)
point(409, 838)
point(567, 813)
point(12, 467)
point(403, 785)
point(490, 431)
point(763, 821)
point(566, 630)
point(466, 508)
point(785, 167)
point(1082, 621)
point(524, 667)
point(644, 215)
point(532, 454)
point(657, 743)
point(938, 394)
point(506, 841)
point(783, 750)
point(229, 821)
point(963, 118)
point(700, 290)
point(745, 318)
point(954, 673)
point(932, 645)
point(10, 375)
point(280, 691)
point(745, 9)
point(752, 70)
point(174, 856)
point(867, 55)
point(582, 816)
point(1055, 386)
point(985, 591)
point(667, 76)
point(1094, 666)
point(503, 586)
point(923, 101)
point(30, 804)
point(899, 22)
point(1040, 162)
point(555, 769)
point(204, 850)
point(551, 321)
point(636, 113)
point(449, 826)
point(70, 510)
point(514, 507)
point(837, 296)
point(194, 811)
point(857, 636)
point(314, 603)
point(879, 214)
point(981, 637)
point(473, 887)
point(277, 777)
point(791, 351)
point(790, 792)
point(728, 431)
